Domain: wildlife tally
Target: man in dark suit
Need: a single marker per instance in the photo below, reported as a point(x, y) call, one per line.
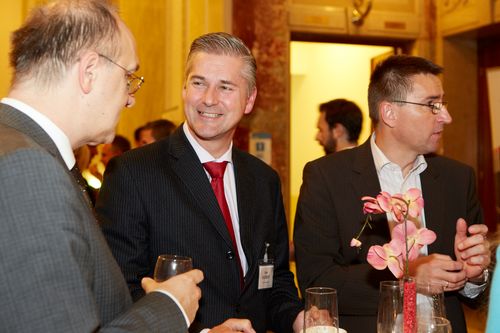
point(159, 199)
point(57, 273)
point(408, 112)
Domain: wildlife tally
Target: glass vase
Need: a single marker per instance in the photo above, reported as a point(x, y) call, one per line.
point(397, 309)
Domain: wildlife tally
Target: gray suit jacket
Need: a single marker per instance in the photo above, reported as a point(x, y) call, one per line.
point(56, 271)
point(330, 213)
point(157, 199)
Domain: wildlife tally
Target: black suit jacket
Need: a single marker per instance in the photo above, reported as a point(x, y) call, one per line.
point(330, 214)
point(158, 199)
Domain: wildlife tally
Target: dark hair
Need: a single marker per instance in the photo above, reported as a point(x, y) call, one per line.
point(222, 43)
point(137, 132)
point(53, 37)
point(121, 143)
point(346, 113)
point(391, 79)
point(160, 128)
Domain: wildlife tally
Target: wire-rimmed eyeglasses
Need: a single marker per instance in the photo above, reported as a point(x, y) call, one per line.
point(134, 82)
point(435, 107)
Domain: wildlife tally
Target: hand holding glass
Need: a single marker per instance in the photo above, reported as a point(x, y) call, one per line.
point(168, 265)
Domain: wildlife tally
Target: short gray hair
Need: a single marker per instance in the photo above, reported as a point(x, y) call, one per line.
point(54, 35)
point(222, 43)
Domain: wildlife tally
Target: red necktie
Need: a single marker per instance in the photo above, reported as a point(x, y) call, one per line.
point(216, 171)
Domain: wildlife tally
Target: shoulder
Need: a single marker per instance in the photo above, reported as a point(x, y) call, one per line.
point(449, 165)
point(13, 140)
point(253, 164)
point(340, 160)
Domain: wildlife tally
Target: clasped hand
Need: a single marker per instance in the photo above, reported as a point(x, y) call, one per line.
point(472, 251)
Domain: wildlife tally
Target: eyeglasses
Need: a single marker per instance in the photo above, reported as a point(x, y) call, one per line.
point(134, 82)
point(435, 107)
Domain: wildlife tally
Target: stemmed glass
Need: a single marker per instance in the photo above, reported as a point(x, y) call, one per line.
point(168, 265)
point(434, 325)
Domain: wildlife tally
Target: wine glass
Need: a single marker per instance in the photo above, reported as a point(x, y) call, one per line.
point(430, 301)
point(429, 305)
point(168, 265)
point(434, 325)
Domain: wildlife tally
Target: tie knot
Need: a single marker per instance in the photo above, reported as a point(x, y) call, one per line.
point(215, 169)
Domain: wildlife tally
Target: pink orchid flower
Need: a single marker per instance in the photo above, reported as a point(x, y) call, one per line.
point(389, 255)
point(355, 242)
point(384, 200)
point(414, 197)
point(371, 206)
point(417, 238)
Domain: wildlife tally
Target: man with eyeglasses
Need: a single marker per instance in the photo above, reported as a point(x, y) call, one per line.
point(57, 273)
point(406, 106)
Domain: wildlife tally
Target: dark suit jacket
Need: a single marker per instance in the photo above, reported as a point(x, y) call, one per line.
point(57, 273)
point(158, 199)
point(330, 214)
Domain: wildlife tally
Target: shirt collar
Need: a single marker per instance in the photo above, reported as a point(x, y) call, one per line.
point(381, 161)
point(202, 153)
point(55, 133)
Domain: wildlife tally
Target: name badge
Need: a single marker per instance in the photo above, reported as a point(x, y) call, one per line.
point(266, 273)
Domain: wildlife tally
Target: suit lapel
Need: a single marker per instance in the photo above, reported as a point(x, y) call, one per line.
point(21, 122)
point(190, 171)
point(366, 183)
point(432, 191)
point(245, 189)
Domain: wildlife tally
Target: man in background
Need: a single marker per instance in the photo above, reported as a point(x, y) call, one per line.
point(194, 194)
point(154, 131)
point(405, 98)
point(339, 125)
point(118, 146)
point(74, 64)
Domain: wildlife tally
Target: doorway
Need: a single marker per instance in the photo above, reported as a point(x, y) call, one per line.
point(320, 72)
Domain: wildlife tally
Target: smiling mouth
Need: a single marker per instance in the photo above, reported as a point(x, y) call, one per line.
point(210, 115)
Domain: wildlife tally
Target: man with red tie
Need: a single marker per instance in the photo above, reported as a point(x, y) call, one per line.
point(194, 194)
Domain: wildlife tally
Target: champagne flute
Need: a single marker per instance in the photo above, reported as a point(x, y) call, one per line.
point(321, 311)
point(390, 307)
point(168, 265)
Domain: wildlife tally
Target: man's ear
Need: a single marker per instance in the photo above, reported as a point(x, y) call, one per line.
point(250, 101)
point(87, 71)
point(388, 113)
point(338, 130)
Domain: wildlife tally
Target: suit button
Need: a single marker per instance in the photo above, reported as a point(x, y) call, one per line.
point(230, 255)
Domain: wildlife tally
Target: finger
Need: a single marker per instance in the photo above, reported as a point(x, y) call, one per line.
point(196, 275)
point(461, 228)
point(452, 286)
point(475, 246)
point(478, 229)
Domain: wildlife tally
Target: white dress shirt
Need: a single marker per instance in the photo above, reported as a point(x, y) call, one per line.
point(229, 188)
point(392, 181)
